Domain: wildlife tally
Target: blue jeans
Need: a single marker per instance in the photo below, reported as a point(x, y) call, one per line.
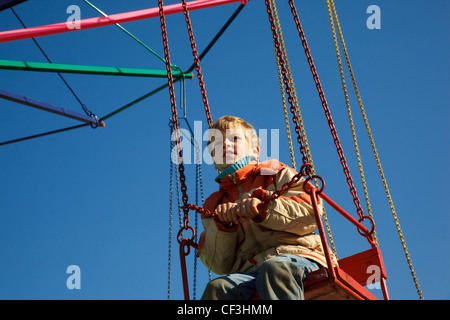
point(279, 278)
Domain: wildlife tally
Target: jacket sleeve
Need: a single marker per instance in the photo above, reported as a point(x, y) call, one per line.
point(217, 246)
point(292, 211)
point(217, 243)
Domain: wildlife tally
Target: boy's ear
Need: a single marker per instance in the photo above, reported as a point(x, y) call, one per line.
point(255, 150)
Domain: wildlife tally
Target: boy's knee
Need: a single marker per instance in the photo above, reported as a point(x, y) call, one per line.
point(274, 265)
point(280, 279)
point(217, 289)
point(280, 269)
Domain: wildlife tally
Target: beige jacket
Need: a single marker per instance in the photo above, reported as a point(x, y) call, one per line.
point(287, 226)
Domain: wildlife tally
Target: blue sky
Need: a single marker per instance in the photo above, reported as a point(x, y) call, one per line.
point(99, 198)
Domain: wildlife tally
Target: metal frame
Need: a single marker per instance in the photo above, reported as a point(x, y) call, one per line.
point(6, 4)
point(62, 27)
point(99, 70)
point(50, 108)
point(346, 280)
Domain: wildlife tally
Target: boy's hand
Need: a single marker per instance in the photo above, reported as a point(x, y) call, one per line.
point(247, 208)
point(231, 211)
point(226, 212)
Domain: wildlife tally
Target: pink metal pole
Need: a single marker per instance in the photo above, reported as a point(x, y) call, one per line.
point(62, 27)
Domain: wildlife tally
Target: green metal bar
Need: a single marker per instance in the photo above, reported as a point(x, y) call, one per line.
point(70, 68)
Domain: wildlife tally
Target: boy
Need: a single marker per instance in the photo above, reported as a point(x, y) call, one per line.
point(261, 253)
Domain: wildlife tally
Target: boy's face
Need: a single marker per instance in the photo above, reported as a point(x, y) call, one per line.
point(231, 146)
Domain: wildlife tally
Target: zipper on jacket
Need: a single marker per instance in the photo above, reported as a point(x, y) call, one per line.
point(238, 185)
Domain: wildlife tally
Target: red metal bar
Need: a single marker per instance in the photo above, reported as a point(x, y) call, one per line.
point(347, 283)
point(336, 275)
point(185, 249)
point(384, 289)
point(344, 213)
point(184, 244)
point(323, 238)
point(62, 27)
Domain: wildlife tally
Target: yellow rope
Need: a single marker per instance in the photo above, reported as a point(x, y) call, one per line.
point(405, 249)
point(347, 100)
point(297, 106)
point(286, 117)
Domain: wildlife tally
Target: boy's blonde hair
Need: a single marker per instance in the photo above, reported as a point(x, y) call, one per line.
point(232, 122)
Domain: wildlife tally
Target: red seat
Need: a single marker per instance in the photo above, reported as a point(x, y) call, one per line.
point(347, 281)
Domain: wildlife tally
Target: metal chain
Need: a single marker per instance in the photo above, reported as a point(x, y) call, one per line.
point(283, 98)
point(169, 262)
point(336, 140)
point(197, 64)
point(175, 118)
point(287, 83)
point(306, 169)
point(202, 196)
point(286, 116)
point(308, 150)
point(350, 117)
point(366, 122)
point(197, 187)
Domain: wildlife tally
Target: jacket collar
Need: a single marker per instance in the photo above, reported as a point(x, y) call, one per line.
point(241, 170)
point(236, 167)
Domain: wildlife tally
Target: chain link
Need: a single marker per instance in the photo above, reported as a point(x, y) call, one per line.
point(331, 7)
point(175, 120)
point(171, 169)
point(197, 63)
point(336, 140)
point(306, 169)
point(278, 24)
point(287, 84)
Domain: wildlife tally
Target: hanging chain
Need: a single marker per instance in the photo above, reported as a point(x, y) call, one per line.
point(291, 78)
point(169, 262)
point(306, 169)
point(197, 63)
point(352, 126)
point(175, 121)
point(286, 116)
point(336, 140)
point(288, 88)
point(330, 4)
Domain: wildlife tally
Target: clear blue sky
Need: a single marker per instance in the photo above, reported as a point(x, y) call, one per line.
point(99, 198)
